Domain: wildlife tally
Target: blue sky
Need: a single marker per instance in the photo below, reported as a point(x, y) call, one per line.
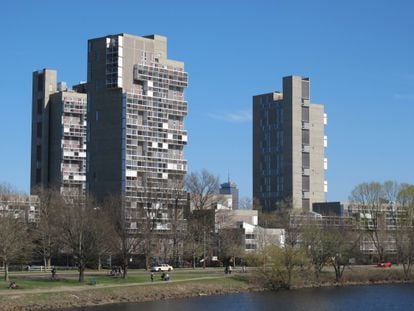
point(358, 55)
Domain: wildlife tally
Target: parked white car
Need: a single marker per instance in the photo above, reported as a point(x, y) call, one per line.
point(162, 267)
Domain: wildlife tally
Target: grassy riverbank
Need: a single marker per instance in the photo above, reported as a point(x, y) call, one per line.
point(38, 292)
point(353, 275)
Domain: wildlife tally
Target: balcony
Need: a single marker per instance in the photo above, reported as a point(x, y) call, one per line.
point(305, 171)
point(305, 148)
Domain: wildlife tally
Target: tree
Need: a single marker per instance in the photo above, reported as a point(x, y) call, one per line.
point(318, 245)
point(81, 230)
point(231, 243)
point(245, 203)
point(193, 240)
point(200, 233)
point(15, 243)
point(202, 186)
point(281, 263)
point(370, 198)
point(404, 233)
point(176, 215)
point(343, 246)
point(124, 242)
point(46, 231)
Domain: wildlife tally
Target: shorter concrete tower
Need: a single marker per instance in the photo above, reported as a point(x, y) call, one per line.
point(288, 147)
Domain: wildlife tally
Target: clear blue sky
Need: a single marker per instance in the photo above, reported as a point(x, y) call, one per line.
point(358, 54)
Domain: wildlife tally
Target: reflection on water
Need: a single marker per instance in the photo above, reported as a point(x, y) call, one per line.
point(354, 298)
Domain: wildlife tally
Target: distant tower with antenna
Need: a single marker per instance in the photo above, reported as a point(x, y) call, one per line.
point(230, 187)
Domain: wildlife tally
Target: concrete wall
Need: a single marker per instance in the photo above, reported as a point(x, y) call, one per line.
point(44, 83)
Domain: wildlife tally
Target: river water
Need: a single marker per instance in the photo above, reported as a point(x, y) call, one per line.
point(352, 298)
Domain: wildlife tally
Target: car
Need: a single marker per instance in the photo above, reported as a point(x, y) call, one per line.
point(161, 267)
point(384, 265)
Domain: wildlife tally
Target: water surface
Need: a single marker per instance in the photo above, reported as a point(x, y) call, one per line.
point(353, 298)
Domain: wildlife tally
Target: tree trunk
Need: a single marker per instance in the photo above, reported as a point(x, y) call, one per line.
point(194, 263)
point(99, 263)
point(49, 262)
point(81, 272)
point(316, 274)
point(146, 262)
point(125, 268)
point(125, 272)
point(6, 272)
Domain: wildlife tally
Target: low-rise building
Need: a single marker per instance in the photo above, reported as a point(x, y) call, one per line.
point(25, 207)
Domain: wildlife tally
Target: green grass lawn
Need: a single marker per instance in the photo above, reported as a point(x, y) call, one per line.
point(41, 281)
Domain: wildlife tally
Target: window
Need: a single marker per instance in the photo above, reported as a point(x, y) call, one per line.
point(305, 89)
point(251, 246)
point(305, 160)
point(38, 175)
point(40, 84)
point(305, 183)
point(305, 114)
point(305, 137)
point(39, 129)
point(38, 152)
point(39, 106)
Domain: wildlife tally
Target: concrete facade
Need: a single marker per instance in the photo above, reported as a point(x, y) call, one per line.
point(288, 147)
point(58, 156)
point(136, 112)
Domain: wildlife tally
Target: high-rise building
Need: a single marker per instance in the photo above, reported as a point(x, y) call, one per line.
point(58, 156)
point(136, 112)
point(231, 188)
point(288, 147)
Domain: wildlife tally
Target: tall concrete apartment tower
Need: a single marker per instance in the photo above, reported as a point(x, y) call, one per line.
point(288, 147)
point(58, 155)
point(136, 112)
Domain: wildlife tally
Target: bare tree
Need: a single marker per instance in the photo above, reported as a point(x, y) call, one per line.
point(81, 230)
point(404, 233)
point(231, 243)
point(370, 199)
point(390, 191)
point(15, 243)
point(125, 242)
point(202, 186)
point(176, 215)
point(46, 229)
point(193, 239)
point(245, 203)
